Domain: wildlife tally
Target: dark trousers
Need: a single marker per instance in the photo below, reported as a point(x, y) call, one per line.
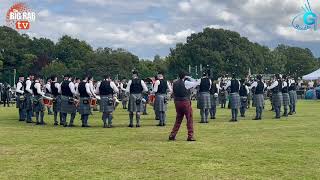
point(213, 111)
point(22, 114)
point(55, 117)
point(183, 108)
point(124, 104)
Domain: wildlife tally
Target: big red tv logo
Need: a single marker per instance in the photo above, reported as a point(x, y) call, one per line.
point(20, 16)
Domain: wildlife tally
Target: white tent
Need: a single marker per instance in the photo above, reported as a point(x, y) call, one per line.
point(312, 76)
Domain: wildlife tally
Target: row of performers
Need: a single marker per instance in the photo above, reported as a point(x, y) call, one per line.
point(30, 98)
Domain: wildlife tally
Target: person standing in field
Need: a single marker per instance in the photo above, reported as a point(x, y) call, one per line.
point(204, 100)
point(161, 88)
point(234, 85)
point(135, 87)
point(20, 98)
point(214, 91)
point(259, 87)
point(106, 89)
point(244, 92)
point(293, 96)
point(68, 106)
point(276, 88)
point(56, 107)
point(285, 96)
point(182, 101)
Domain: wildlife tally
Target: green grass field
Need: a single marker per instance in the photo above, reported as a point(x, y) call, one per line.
point(268, 149)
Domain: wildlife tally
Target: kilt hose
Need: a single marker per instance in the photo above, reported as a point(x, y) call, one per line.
point(56, 104)
point(234, 101)
point(135, 103)
point(28, 102)
point(160, 103)
point(84, 106)
point(37, 102)
point(67, 107)
point(259, 100)
point(293, 97)
point(286, 99)
point(243, 101)
point(204, 100)
point(107, 104)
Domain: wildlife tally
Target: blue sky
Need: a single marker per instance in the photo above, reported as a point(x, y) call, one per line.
point(150, 27)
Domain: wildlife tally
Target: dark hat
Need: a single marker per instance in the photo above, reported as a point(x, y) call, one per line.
point(135, 72)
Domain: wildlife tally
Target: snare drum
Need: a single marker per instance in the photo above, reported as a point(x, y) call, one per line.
point(93, 102)
point(48, 102)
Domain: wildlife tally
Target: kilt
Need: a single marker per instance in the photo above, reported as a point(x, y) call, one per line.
point(293, 97)
point(286, 99)
point(159, 103)
point(66, 107)
point(132, 105)
point(234, 100)
point(20, 104)
point(28, 102)
point(259, 100)
point(104, 104)
point(84, 109)
point(244, 101)
point(37, 103)
point(57, 104)
point(213, 100)
point(204, 100)
point(254, 101)
point(277, 99)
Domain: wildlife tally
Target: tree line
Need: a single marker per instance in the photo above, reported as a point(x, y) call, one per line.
point(222, 51)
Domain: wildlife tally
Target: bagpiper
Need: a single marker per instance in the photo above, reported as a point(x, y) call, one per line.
point(56, 107)
point(293, 96)
point(285, 96)
point(85, 95)
point(161, 88)
point(276, 88)
point(234, 85)
point(259, 87)
point(68, 103)
point(21, 98)
point(243, 92)
point(107, 89)
point(28, 98)
point(214, 93)
point(135, 87)
point(38, 105)
point(204, 100)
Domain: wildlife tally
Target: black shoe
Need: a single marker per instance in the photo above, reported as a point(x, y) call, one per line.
point(191, 139)
point(71, 125)
point(29, 122)
point(290, 113)
point(21, 120)
point(104, 125)
point(55, 124)
point(38, 123)
point(138, 125)
point(243, 116)
point(65, 125)
point(159, 125)
point(87, 126)
point(231, 120)
point(172, 138)
point(213, 117)
point(202, 122)
point(130, 126)
point(43, 123)
point(256, 118)
point(83, 125)
point(110, 126)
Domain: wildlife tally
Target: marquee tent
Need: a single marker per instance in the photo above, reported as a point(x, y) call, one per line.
point(312, 76)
